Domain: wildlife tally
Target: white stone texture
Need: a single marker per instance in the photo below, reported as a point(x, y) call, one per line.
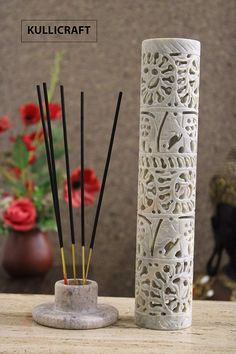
point(75, 307)
point(167, 182)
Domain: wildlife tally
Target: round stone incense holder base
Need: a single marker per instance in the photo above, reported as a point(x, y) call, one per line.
point(75, 307)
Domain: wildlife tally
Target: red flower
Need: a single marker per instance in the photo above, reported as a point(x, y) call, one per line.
point(16, 171)
point(37, 136)
point(5, 124)
point(55, 111)
point(29, 185)
point(28, 139)
point(30, 113)
point(32, 159)
point(91, 187)
point(31, 139)
point(20, 215)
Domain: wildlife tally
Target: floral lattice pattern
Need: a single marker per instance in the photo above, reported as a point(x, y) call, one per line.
point(170, 79)
point(167, 179)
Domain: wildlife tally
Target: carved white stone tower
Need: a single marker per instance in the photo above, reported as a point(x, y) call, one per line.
point(167, 182)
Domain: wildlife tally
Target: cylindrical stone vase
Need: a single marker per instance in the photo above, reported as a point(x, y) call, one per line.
point(75, 307)
point(167, 183)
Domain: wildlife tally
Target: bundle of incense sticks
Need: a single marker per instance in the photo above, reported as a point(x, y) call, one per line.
point(48, 139)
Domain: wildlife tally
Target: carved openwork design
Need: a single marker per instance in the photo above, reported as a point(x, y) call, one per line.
point(167, 180)
point(170, 79)
point(172, 192)
point(165, 289)
point(165, 238)
point(164, 131)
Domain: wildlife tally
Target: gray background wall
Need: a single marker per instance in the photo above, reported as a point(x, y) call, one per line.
point(101, 70)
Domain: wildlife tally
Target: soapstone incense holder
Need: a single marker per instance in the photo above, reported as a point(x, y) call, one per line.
point(75, 307)
point(167, 182)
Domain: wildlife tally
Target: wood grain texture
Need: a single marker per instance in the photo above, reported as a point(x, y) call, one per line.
point(213, 331)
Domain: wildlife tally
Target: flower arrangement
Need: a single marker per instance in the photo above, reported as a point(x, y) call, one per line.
point(26, 201)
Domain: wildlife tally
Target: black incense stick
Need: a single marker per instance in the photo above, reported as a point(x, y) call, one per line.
point(48, 156)
point(52, 175)
point(104, 181)
point(68, 182)
point(49, 128)
point(82, 182)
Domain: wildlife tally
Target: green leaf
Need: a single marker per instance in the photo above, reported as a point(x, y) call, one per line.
point(17, 186)
point(37, 198)
point(58, 152)
point(20, 154)
point(44, 183)
point(39, 164)
point(57, 134)
point(2, 228)
point(47, 225)
point(55, 74)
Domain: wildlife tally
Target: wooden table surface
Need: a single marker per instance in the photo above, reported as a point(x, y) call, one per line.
point(213, 331)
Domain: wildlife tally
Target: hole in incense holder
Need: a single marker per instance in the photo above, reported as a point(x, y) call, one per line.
point(76, 298)
point(75, 307)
